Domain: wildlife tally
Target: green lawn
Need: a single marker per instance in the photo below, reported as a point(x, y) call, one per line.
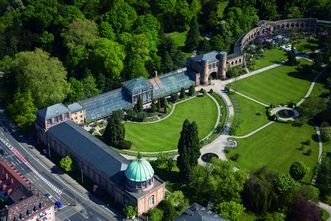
point(164, 135)
point(178, 37)
point(276, 86)
point(246, 114)
point(270, 57)
point(220, 8)
point(277, 147)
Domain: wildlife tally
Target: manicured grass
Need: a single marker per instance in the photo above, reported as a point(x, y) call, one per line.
point(178, 37)
point(164, 135)
point(324, 215)
point(277, 147)
point(246, 113)
point(220, 8)
point(279, 85)
point(304, 45)
point(270, 57)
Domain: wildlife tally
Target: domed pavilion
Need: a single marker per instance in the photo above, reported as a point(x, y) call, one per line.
point(137, 185)
point(139, 175)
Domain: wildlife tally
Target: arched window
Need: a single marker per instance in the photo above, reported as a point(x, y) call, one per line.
point(151, 201)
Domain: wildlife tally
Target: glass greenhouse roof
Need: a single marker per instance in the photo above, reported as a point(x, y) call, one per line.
point(104, 104)
point(170, 83)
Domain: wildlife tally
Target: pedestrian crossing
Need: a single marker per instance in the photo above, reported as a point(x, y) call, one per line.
point(23, 160)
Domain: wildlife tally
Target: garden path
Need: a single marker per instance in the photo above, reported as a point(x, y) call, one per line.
point(327, 208)
point(249, 98)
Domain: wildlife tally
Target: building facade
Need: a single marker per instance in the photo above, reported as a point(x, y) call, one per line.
point(21, 200)
point(105, 167)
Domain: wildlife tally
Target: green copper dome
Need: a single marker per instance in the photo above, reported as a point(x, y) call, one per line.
point(139, 170)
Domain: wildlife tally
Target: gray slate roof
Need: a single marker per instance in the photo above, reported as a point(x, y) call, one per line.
point(210, 56)
point(196, 212)
point(52, 111)
point(74, 107)
point(137, 84)
point(85, 146)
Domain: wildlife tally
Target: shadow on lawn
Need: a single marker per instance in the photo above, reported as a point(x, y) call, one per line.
point(304, 72)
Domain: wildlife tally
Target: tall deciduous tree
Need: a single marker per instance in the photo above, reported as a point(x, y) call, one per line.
point(188, 148)
point(22, 110)
point(80, 32)
point(43, 75)
point(107, 57)
point(230, 210)
point(193, 36)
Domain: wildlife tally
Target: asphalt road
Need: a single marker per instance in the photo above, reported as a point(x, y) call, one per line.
point(20, 155)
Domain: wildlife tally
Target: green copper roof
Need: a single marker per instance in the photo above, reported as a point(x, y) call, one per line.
point(139, 170)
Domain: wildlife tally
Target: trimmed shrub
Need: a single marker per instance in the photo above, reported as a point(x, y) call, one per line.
point(141, 116)
point(124, 144)
point(174, 97)
point(326, 133)
point(211, 91)
point(309, 152)
point(235, 157)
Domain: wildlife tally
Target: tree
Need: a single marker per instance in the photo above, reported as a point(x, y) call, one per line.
point(298, 170)
point(182, 93)
point(230, 210)
point(165, 106)
point(284, 182)
point(80, 32)
point(89, 86)
point(66, 163)
point(276, 216)
point(43, 75)
point(107, 57)
point(169, 211)
point(215, 183)
point(191, 90)
point(323, 180)
point(114, 132)
point(155, 214)
point(258, 194)
point(121, 17)
point(178, 201)
point(303, 210)
point(153, 106)
point(159, 105)
point(139, 105)
point(312, 107)
point(193, 36)
point(188, 148)
point(291, 58)
point(326, 133)
point(130, 211)
point(22, 110)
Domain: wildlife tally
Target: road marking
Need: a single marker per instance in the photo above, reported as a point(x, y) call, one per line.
point(18, 154)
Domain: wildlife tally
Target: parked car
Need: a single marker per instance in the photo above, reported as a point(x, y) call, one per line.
point(58, 204)
point(48, 195)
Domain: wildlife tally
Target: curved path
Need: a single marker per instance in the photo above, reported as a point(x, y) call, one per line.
point(173, 109)
point(218, 145)
point(171, 112)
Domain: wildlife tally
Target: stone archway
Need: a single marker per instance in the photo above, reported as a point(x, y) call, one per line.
point(213, 75)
